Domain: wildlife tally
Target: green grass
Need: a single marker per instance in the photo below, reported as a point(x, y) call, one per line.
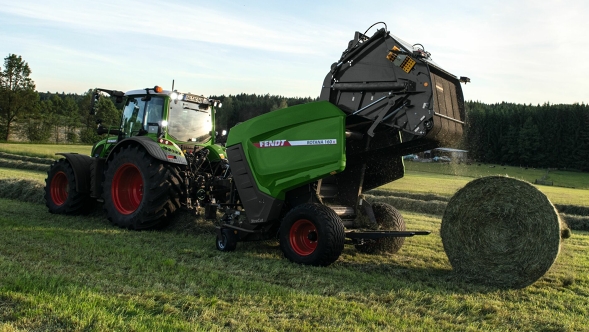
point(43, 150)
point(80, 273)
point(559, 178)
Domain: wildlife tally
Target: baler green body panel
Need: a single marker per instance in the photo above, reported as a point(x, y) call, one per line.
point(292, 146)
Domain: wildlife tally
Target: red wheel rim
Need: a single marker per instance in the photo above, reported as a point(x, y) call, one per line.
point(303, 237)
point(127, 189)
point(59, 188)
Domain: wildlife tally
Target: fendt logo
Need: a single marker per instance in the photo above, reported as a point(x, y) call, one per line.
point(283, 142)
point(268, 144)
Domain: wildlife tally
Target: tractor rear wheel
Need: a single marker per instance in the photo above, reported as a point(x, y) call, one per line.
point(61, 195)
point(312, 234)
point(388, 219)
point(140, 191)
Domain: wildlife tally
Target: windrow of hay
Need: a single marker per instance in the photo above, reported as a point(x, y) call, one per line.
point(501, 231)
point(19, 164)
point(416, 196)
point(401, 203)
point(580, 223)
point(573, 209)
point(22, 190)
point(36, 160)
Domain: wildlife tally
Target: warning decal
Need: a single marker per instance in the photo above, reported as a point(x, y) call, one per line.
point(282, 142)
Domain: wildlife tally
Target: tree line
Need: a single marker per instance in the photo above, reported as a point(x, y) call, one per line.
point(547, 135)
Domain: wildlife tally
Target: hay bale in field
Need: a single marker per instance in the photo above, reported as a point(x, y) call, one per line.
point(501, 231)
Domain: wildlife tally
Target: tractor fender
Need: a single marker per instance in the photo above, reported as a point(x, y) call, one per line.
point(81, 165)
point(153, 148)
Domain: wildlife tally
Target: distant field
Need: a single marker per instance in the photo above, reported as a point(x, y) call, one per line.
point(447, 185)
point(43, 150)
point(560, 178)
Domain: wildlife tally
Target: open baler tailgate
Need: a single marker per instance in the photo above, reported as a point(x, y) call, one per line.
point(387, 88)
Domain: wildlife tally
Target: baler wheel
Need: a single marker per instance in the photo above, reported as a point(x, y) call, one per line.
point(388, 219)
point(140, 191)
point(61, 195)
point(312, 234)
point(227, 240)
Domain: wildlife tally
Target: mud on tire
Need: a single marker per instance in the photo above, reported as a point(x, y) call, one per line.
point(388, 219)
point(140, 191)
point(61, 196)
point(312, 234)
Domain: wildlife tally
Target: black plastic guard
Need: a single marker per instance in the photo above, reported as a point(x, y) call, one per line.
point(259, 207)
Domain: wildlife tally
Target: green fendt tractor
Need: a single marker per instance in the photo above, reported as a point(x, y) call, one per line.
point(295, 174)
point(143, 170)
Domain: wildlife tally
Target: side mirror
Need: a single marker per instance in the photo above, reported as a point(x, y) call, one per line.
point(93, 102)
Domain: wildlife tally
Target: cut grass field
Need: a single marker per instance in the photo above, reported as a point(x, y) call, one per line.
point(80, 273)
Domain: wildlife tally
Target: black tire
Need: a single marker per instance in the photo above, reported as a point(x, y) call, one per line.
point(140, 191)
point(61, 196)
point(388, 219)
point(227, 241)
point(312, 234)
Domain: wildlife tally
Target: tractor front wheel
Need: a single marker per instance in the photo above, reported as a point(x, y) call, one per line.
point(312, 234)
point(140, 191)
point(61, 195)
point(388, 219)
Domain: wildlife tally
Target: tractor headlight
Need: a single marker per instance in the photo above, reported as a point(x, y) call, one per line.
point(164, 123)
point(174, 96)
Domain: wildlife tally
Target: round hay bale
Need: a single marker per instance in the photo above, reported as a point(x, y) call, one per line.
point(501, 231)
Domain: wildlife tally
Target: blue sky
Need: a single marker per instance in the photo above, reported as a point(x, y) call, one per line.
point(513, 50)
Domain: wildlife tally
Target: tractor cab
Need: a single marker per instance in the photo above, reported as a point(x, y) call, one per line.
point(178, 117)
point(174, 120)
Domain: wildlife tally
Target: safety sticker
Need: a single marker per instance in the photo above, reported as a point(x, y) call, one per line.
point(282, 142)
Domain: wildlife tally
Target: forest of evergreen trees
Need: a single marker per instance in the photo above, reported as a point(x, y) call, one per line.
point(555, 136)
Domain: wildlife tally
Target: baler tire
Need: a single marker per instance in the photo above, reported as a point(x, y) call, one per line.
point(312, 234)
point(227, 241)
point(61, 196)
point(388, 219)
point(139, 191)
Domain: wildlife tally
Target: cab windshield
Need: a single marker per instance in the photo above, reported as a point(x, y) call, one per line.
point(190, 122)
